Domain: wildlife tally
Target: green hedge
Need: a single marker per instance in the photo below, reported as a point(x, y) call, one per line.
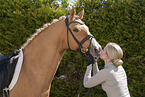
point(109, 21)
point(20, 19)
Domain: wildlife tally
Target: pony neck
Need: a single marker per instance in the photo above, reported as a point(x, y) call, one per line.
point(41, 60)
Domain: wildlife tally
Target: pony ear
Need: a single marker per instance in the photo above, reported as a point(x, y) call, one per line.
point(81, 14)
point(72, 14)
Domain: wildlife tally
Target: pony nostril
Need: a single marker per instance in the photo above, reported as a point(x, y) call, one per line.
point(96, 50)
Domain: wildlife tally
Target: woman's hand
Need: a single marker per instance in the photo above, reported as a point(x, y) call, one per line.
point(89, 67)
point(89, 59)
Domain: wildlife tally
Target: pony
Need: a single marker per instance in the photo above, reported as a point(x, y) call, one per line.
point(45, 49)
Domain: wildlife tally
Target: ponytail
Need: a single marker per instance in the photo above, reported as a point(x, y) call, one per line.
point(117, 62)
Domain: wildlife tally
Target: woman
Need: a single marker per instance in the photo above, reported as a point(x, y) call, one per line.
point(113, 77)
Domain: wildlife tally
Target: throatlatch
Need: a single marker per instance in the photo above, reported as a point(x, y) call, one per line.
point(88, 57)
point(79, 43)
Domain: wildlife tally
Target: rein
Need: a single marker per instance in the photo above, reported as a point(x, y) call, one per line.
point(86, 53)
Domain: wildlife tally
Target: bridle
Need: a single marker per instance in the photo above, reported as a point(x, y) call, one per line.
point(83, 40)
point(87, 52)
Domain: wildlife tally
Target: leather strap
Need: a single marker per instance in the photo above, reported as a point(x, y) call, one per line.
point(69, 30)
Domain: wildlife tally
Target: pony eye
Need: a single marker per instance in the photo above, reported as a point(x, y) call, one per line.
point(75, 30)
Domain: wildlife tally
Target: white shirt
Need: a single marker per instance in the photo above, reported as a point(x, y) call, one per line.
point(113, 80)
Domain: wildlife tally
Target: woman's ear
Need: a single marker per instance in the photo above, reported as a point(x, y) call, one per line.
point(108, 57)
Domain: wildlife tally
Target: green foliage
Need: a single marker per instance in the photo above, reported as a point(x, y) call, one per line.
point(20, 18)
point(119, 21)
point(122, 23)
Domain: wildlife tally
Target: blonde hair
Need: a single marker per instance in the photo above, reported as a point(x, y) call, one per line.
point(115, 53)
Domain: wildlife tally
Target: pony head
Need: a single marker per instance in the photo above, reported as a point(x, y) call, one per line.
point(78, 35)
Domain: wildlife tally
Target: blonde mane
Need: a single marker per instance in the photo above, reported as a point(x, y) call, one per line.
point(40, 30)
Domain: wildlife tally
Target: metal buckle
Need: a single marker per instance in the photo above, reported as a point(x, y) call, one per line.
point(84, 49)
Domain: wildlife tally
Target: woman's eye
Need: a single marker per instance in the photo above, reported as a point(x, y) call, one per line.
point(75, 30)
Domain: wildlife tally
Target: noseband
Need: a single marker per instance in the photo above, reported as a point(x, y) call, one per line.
point(87, 52)
point(79, 43)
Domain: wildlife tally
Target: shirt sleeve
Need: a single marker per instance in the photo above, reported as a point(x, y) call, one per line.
point(97, 79)
point(95, 68)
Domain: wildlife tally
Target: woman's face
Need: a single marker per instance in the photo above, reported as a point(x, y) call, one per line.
point(103, 54)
